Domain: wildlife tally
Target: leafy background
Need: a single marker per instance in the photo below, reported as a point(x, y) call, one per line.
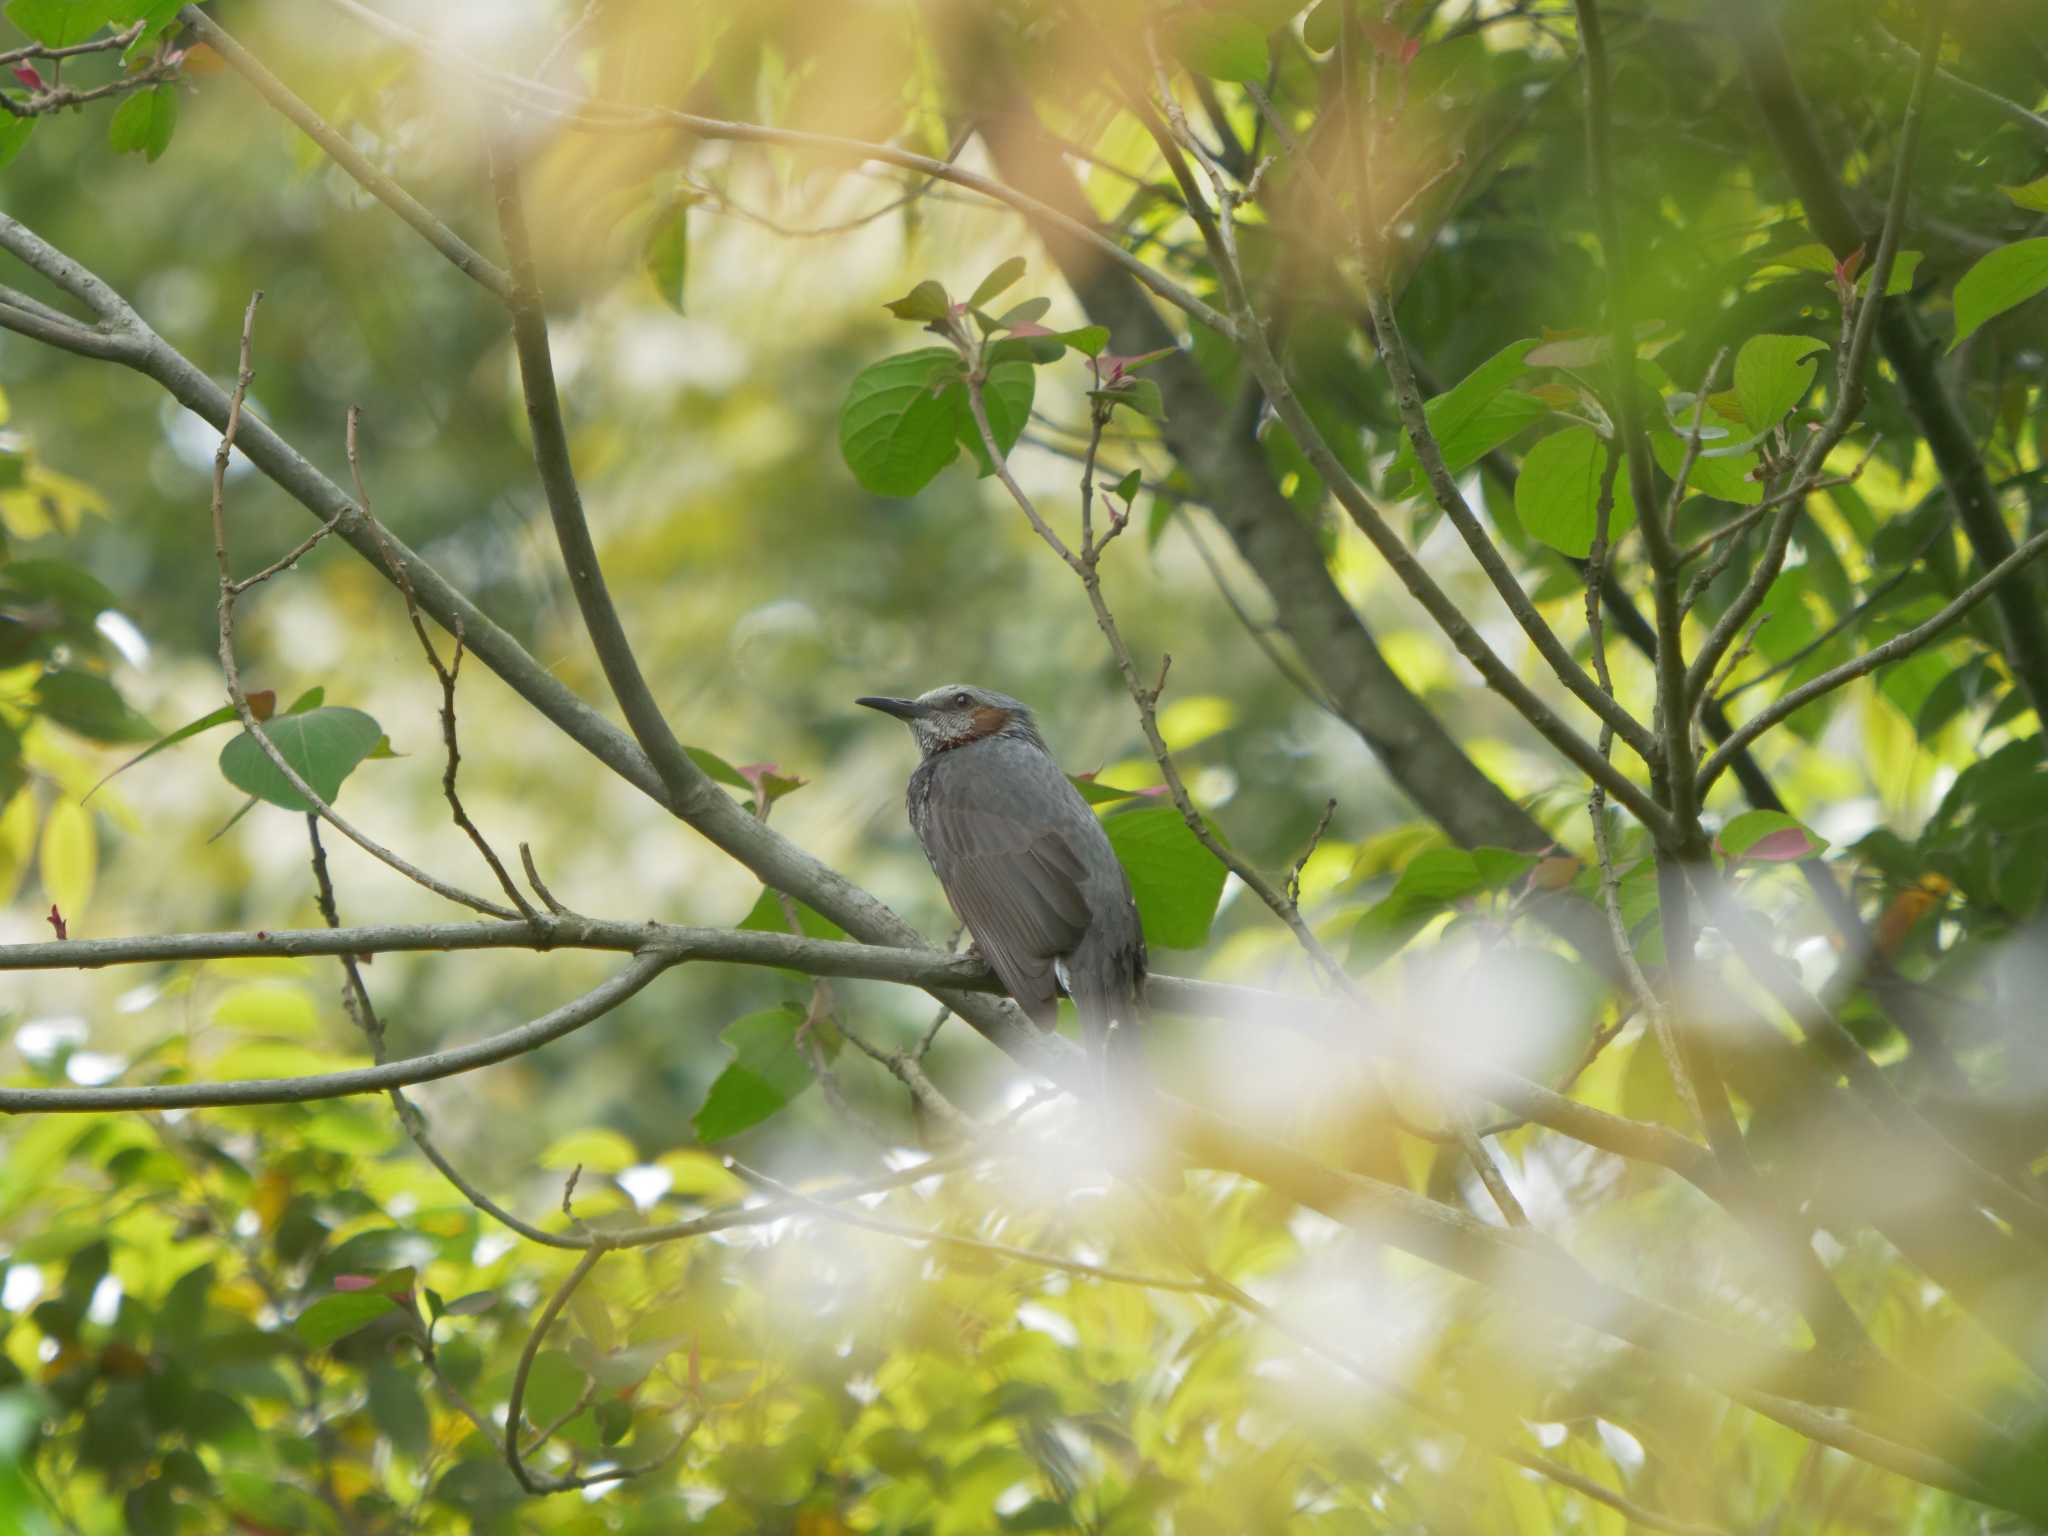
point(227, 1311)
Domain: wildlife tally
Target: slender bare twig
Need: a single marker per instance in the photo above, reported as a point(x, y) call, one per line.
point(445, 674)
point(231, 670)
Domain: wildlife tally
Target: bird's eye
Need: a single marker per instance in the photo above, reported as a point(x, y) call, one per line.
point(962, 700)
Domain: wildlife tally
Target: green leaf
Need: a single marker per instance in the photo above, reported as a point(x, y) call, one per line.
point(1725, 478)
point(397, 1409)
point(1472, 418)
point(767, 916)
point(597, 1150)
point(1100, 794)
point(1222, 46)
point(666, 256)
point(1088, 340)
point(1141, 395)
point(614, 1418)
point(60, 23)
point(87, 703)
point(1819, 259)
point(553, 1385)
point(335, 1317)
point(1006, 396)
point(145, 122)
point(1558, 491)
point(322, 745)
point(1030, 312)
point(1768, 837)
point(927, 301)
point(1003, 276)
point(2010, 275)
point(1772, 374)
point(14, 134)
point(312, 698)
point(1174, 879)
point(766, 1072)
point(2033, 196)
point(1430, 882)
point(1126, 489)
point(900, 425)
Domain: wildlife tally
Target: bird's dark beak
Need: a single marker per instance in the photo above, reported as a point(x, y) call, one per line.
point(902, 709)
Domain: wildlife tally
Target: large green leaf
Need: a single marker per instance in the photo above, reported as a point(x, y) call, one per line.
point(1772, 375)
point(145, 122)
point(1430, 882)
point(335, 1317)
point(1472, 418)
point(1557, 494)
point(1221, 45)
point(1723, 476)
point(1007, 398)
point(766, 1072)
point(61, 23)
point(2010, 275)
point(899, 427)
point(1175, 880)
point(323, 746)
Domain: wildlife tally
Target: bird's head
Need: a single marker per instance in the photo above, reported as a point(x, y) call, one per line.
point(957, 714)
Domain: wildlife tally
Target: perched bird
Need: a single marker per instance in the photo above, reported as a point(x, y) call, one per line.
point(1025, 863)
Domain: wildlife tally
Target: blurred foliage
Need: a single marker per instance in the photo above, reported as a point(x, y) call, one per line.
point(283, 1319)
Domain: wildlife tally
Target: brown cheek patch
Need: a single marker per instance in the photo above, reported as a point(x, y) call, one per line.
point(987, 721)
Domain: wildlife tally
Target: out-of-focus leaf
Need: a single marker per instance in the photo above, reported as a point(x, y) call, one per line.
point(1768, 837)
point(1174, 879)
point(397, 1408)
point(14, 133)
point(666, 256)
point(2006, 277)
point(1221, 45)
point(323, 746)
point(262, 704)
point(87, 703)
point(69, 857)
point(766, 1072)
point(595, 1150)
point(1004, 274)
point(335, 1317)
point(2033, 196)
point(928, 301)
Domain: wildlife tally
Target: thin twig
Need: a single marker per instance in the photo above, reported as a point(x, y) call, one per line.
point(445, 673)
point(231, 670)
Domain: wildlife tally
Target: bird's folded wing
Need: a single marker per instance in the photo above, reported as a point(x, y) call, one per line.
point(1015, 884)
